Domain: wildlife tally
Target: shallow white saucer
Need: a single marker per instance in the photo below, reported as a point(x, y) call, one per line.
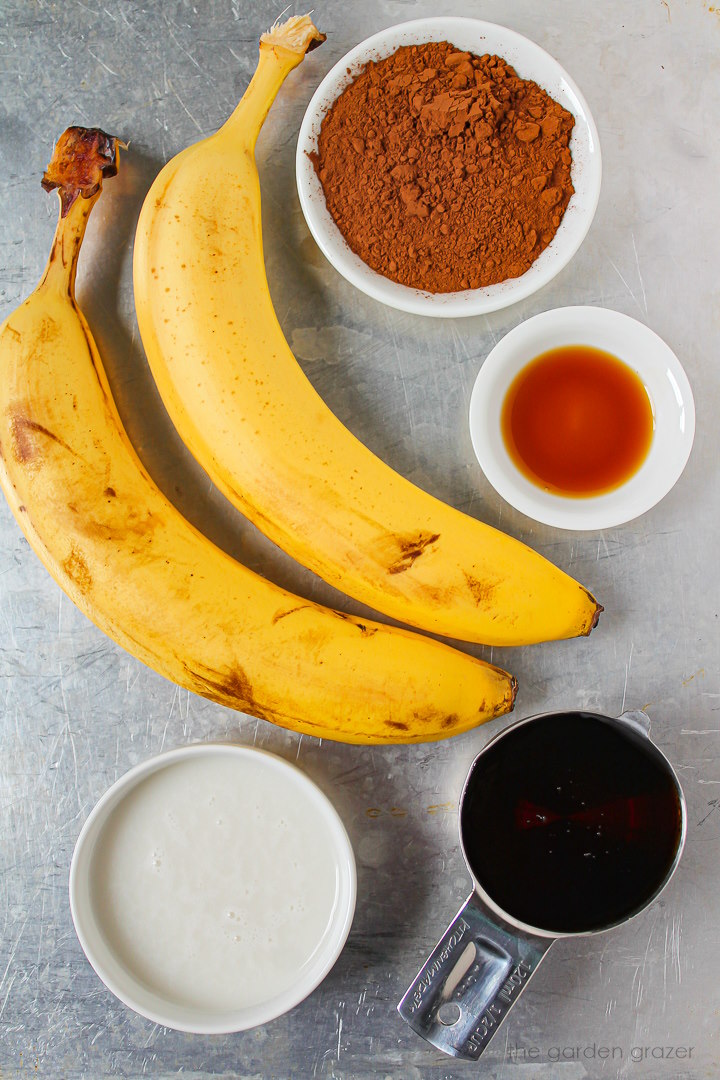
point(129, 987)
point(530, 62)
point(647, 355)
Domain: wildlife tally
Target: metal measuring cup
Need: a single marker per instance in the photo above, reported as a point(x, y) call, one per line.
point(486, 957)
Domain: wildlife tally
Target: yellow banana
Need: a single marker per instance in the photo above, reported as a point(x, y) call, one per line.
point(254, 422)
point(147, 578)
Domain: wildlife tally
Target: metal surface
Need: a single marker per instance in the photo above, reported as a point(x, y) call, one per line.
point(77, 711)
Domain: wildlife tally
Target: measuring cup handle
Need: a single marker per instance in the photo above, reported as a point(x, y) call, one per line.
point(470, 981)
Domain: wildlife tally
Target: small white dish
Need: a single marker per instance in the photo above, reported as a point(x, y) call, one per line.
point(644, 353)
point(530, 62)
point(103, 843)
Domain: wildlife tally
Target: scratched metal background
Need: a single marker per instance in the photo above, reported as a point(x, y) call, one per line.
point(77, 711)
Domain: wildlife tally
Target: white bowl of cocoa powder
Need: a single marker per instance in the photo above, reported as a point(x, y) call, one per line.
point(448, 167)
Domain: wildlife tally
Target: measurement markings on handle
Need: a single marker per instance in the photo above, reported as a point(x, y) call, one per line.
point(496, 1011)
point(514, 981)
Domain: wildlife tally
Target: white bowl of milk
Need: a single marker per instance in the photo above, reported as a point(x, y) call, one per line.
point(213, 888)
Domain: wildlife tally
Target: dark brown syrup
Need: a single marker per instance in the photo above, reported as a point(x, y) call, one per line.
point(577, 421)
point(570, 823)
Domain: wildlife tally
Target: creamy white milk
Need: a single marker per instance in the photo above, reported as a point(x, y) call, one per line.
point(215, 879)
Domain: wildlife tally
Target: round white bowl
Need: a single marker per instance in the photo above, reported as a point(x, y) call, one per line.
point(136, 994)
point(531, 62)
point(647, 355)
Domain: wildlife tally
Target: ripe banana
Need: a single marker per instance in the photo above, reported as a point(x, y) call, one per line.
point(254, 422)
point(147, 578)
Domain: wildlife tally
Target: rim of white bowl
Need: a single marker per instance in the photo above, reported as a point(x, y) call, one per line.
point(121, 981)
point(534, 63)
point(645, 353)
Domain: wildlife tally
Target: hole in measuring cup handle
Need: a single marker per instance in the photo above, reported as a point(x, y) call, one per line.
point(449, 1013)
point(468, 984)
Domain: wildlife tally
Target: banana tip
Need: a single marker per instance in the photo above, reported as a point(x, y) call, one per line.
point(596, 617)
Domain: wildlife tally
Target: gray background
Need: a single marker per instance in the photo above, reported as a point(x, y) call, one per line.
point(77, 711)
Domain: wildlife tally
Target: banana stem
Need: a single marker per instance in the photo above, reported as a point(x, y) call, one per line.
point(61, 269)
point(82, 158)
point(281, 49)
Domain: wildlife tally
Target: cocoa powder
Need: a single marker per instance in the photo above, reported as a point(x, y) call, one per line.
point(444, 170)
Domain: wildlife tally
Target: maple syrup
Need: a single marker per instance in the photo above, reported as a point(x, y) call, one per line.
point(577, 421)
point(571, 822)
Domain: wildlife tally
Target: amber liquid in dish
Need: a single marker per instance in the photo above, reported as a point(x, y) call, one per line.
point(571, 822)
point(577, 421)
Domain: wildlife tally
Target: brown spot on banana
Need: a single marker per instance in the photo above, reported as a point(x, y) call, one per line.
point(234, 688)
point(291, 611)
point(366, 631)
point(449, 721)
point(435, 721)
point(411, 548)
point(26, 446)
point(77, 569)
point(482, 591)
point(121, 524)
